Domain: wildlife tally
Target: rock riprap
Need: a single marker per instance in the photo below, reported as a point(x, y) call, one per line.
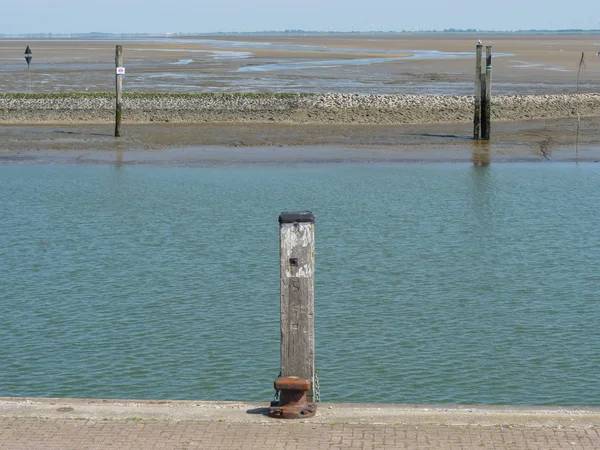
point(286, 108)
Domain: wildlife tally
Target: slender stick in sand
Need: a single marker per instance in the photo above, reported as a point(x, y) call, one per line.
point(119, 87)
point(581, 64)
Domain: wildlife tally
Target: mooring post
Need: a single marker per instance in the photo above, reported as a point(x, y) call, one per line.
point(477, 115)
point(487, 109)
point(119, 82)
point(483, 105)
point(297, 312)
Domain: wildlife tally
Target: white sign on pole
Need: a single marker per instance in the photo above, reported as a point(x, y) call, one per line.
point(120, 70)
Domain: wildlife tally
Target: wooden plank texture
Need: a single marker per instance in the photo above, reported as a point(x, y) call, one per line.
point(477, 115)
point(297, 301)
point(487, 112)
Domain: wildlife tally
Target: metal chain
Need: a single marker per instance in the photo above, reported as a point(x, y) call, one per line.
point(276, 396)
point(317, 389)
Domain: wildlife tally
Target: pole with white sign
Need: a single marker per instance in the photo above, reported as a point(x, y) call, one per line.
point(28, 58)
point(120, 71)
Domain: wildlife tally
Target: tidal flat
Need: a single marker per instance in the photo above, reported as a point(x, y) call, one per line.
point(398, 63)
point(352, 97)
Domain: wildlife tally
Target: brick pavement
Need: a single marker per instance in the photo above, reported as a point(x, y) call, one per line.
point(54, 433)
point(45, 426)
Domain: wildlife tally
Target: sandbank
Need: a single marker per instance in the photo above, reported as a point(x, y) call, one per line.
point(224, 144)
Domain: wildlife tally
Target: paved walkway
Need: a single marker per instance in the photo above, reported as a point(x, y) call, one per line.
point(96, 424)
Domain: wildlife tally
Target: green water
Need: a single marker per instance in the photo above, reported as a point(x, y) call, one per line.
point(435, 283)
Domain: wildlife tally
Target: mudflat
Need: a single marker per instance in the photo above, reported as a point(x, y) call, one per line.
point(222, 144)
point(536, 115)
point(408, 63)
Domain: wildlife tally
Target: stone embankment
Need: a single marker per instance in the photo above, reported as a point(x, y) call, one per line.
point(287, 108)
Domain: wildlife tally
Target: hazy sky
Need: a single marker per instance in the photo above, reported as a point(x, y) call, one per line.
point(140, 16)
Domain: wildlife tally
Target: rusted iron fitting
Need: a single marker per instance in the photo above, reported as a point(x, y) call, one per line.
point(292, 399)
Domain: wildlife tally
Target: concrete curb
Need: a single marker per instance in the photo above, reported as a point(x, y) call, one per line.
point(328, 413)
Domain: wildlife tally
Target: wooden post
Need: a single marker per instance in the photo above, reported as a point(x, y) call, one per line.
point(487, 109)
point(297, 305)
point(477, 116)
point(119, 83)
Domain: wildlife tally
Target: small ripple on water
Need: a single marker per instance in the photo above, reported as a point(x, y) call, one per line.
point(139, 284)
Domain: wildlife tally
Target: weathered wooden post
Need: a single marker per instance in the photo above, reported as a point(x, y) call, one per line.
point(297, 312)
point(487, 93)
point(120, 70)
point(477, 115)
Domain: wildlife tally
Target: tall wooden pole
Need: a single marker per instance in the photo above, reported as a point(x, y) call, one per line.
point(297, 303)
point(119, 83)
point(477, 115)
point(487, 110)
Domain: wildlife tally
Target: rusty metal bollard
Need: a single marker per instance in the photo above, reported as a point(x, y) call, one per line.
point(292, 399)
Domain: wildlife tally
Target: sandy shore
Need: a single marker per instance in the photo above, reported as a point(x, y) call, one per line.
point(378, 124)
point(410, 63)
point(223, 144)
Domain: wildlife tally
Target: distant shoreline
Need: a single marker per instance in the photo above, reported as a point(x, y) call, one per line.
point(141, 108)
point(299, 32)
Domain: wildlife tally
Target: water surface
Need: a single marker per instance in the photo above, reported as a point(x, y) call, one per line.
point(435, 283)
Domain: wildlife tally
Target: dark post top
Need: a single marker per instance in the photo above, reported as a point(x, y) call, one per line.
point(296, 216)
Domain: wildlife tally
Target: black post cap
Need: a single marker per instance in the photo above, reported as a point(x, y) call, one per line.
point(296, 216)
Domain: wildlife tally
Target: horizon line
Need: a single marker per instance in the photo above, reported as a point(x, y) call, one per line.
point(298, 31)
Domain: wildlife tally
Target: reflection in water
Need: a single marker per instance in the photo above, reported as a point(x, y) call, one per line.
point(482, 211)
point(119, 160)
point(481, 153)
point(546, 147)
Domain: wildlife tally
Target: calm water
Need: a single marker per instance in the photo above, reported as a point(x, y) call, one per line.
point(435, 282)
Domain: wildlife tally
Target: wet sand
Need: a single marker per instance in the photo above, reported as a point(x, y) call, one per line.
point(532, 63)
point(225, 144)
point(364, 128)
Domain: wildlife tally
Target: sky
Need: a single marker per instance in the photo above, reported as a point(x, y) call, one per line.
point(203, 16)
